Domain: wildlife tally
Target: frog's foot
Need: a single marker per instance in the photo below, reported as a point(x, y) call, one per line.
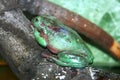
point(32, 27)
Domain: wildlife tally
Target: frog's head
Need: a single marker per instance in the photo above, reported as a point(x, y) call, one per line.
point(40, 24)
point(43, 22)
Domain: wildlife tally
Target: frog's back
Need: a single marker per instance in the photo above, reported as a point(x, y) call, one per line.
point(69, 40)
point(65, 39)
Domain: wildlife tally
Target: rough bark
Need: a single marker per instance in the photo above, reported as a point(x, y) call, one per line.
point(16, 41)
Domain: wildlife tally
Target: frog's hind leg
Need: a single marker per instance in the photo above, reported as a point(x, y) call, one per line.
point(67, 64)
point(68, 59)
point(57, 61)
point(53, 58)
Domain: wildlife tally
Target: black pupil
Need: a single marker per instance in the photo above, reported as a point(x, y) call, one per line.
point(36, 20)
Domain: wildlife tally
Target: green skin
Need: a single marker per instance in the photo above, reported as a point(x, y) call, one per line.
point(62, 40)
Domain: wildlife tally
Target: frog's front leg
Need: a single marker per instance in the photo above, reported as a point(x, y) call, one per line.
point(70, 60)
point(39, 38)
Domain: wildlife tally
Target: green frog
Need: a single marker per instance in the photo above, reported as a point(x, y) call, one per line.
point(62, 41)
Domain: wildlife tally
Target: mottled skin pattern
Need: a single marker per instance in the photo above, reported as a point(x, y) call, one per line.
point(62, 40)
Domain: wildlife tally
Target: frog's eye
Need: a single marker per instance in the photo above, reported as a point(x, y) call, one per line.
point(36, 20)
